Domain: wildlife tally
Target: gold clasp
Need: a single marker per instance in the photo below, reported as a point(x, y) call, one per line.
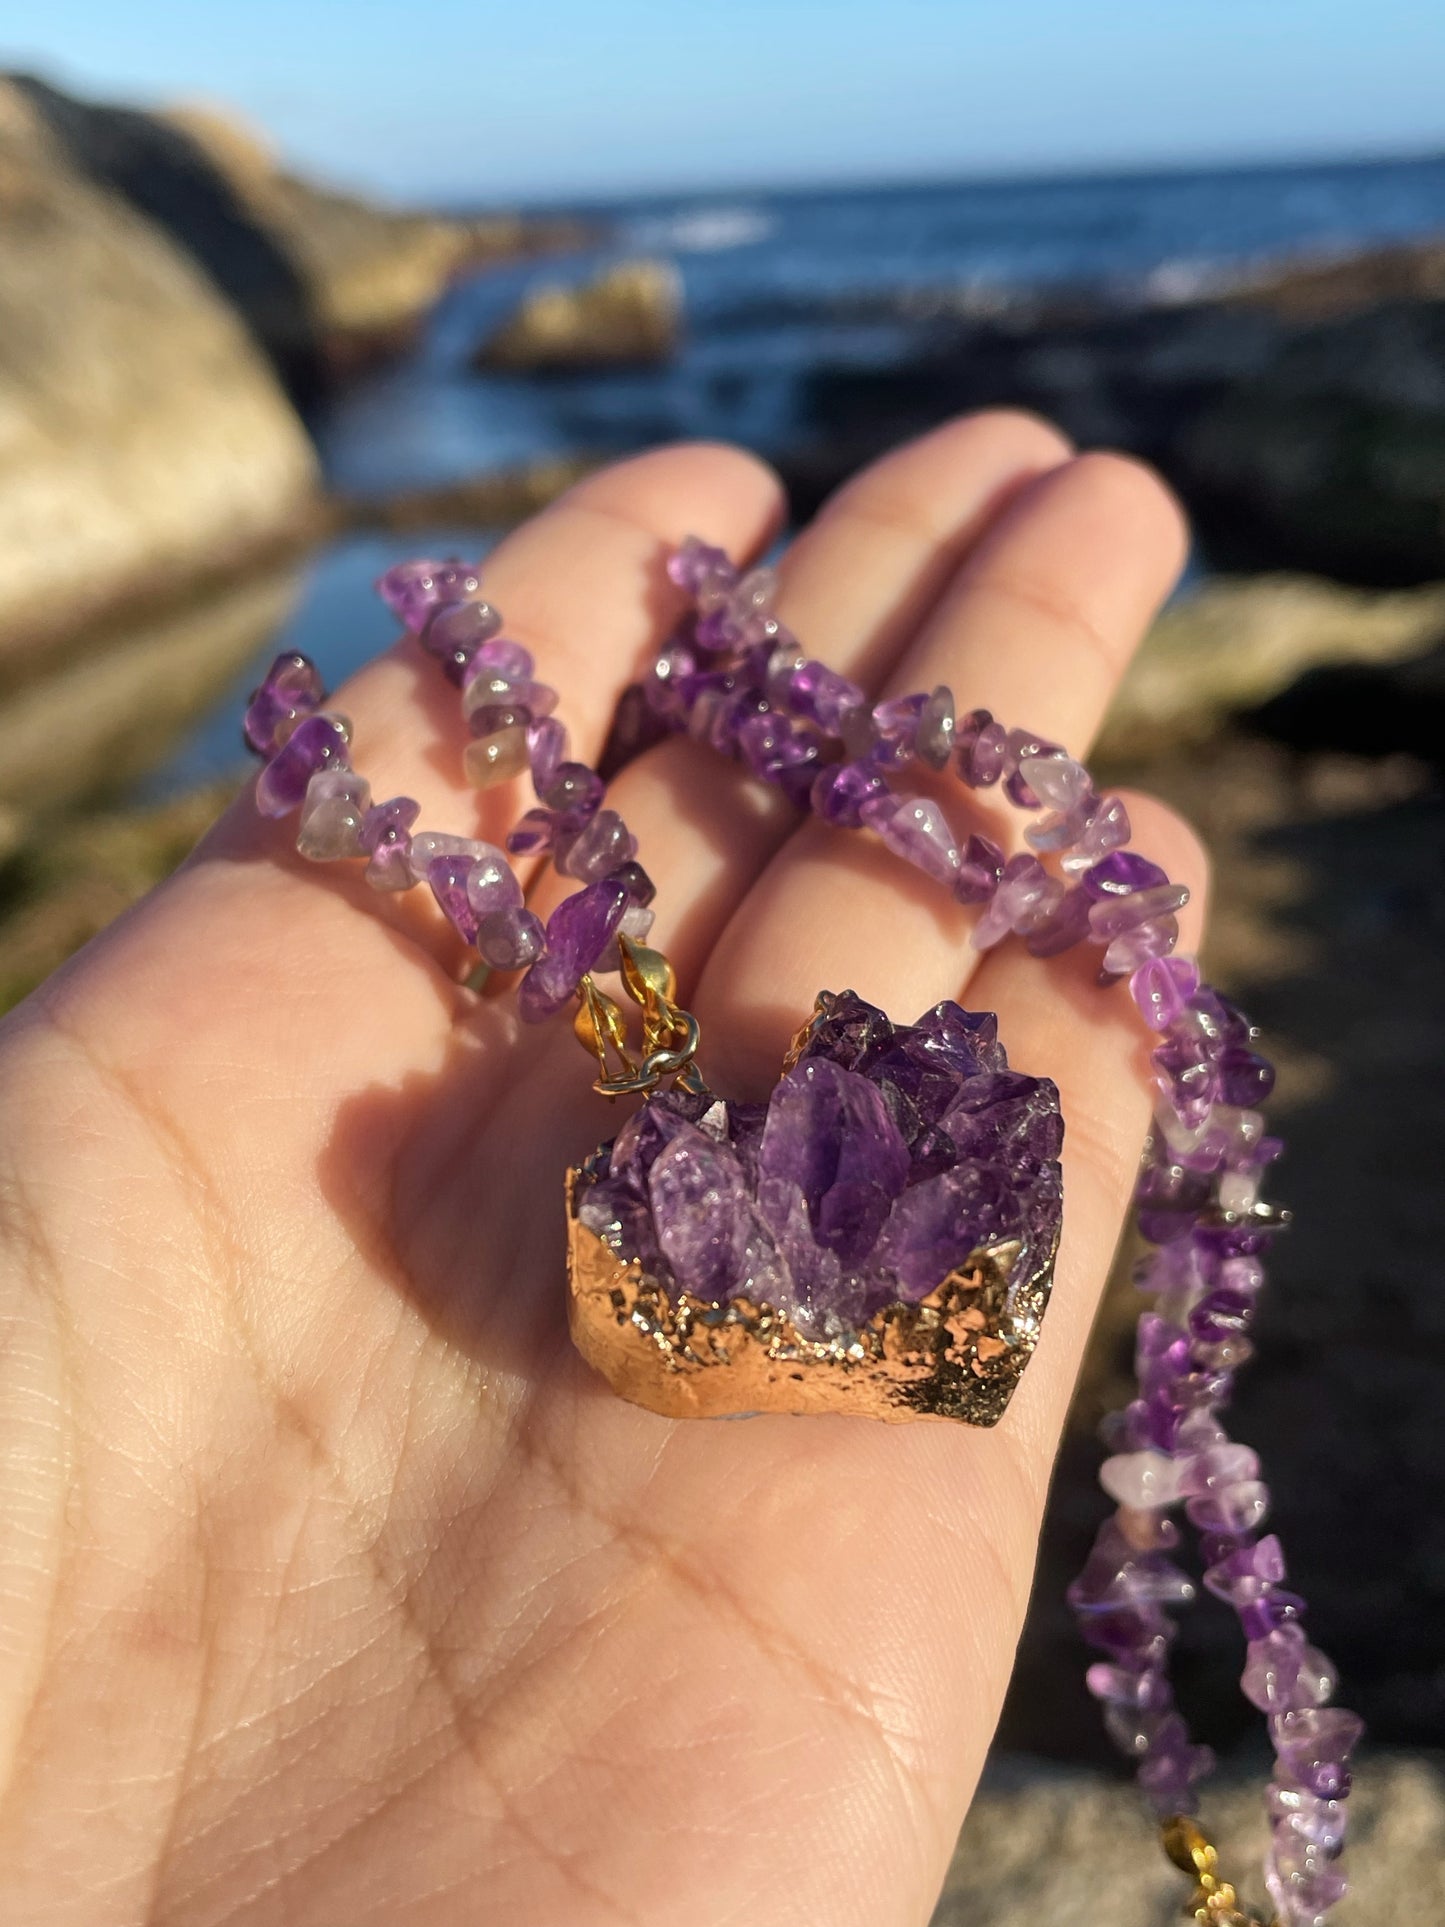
point(670, 1034)
point(1214, 1902)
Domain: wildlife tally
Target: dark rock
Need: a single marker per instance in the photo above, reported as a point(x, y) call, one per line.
point(1303, 420)
point(628, 316)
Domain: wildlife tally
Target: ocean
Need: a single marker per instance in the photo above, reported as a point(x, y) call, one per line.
point(777, 286)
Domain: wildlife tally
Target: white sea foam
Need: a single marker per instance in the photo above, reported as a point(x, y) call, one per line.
point(703, 230)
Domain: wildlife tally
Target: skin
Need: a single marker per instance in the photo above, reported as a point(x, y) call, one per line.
point(333, 1587)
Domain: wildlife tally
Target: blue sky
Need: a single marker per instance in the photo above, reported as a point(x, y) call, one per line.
point(470, 98)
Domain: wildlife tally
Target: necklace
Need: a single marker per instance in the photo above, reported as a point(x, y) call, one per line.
point(879, 1237)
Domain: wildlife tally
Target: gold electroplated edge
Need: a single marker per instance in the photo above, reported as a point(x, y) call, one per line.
point(957, 1354)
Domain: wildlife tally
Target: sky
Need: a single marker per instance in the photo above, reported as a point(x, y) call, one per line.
point(584, 98)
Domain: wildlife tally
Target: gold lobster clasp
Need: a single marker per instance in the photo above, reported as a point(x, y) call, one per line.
point(1214, 1902)
point(670, 1034)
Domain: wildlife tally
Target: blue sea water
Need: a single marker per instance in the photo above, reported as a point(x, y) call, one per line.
point(775, 286)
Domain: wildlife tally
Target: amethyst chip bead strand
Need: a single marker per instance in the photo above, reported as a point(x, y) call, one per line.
point(1198, 1207)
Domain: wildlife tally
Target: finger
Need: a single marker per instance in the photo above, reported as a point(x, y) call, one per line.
point(862, 575)
point(1066, 583)
point(582, 586)
point(306, 966)
point(1040, 623)
point(860, 580)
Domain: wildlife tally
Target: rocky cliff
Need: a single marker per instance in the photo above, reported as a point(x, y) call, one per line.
point(143, 435)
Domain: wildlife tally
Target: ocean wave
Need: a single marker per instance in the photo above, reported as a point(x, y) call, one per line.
point(702, 230)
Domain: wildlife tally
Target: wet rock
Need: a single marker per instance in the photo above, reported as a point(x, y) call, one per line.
point(1302, 417)
point(325, 281)
point(629, 315)
point(146, 439)
point(1237, 643)
point(110, 706)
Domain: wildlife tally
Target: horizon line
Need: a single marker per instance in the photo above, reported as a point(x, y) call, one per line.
point(1084, 174)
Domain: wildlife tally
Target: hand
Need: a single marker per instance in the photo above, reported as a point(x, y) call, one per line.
point(336, 1590)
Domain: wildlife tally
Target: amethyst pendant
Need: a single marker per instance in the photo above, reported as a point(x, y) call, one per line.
point(879, 1237)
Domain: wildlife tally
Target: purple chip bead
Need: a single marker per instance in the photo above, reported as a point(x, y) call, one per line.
point(511, 939)
point(1156, 937)
point(386, 837)
point(1066, 924)
point(1162, 987)
point(600, 849)
point(1121, 873)
point(839, 792)
point(546, 746)
point(1247, 1078)
point(1021, 746)
point(979, 871)
point(578, 931)
point(981, 747)
point(455, 631)
point(411, 590)
point(290, 689)
point(1110, 917)
point(1313, 1744)
point(1285, 1674)
point(695, 565)
point(448, 876)
point(1108, 829)
point(635, 880)
point(317, 742)
point(915, 828)
point(491, 883)
point(822, 696)
point(536, 832)
point(575, 791)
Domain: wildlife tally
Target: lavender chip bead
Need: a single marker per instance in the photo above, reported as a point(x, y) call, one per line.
point(491, 883)
point(290, 689)
point(1122, 873)
point(839, 793)
point(546, 747)
point(317, 743)
point(454, 633)
point(335, 808)
point(915, 828)
point(412, 590)
point(386, 838)
point(578, 932)
point(511, 939)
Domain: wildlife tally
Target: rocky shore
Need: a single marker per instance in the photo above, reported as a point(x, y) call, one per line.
point(1301, 415)
point(171, 302)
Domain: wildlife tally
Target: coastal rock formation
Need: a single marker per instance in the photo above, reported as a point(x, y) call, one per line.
point(1302, 416)
point(628, 316)
point(143, 438)
point(324, 280)
point(1239, 643)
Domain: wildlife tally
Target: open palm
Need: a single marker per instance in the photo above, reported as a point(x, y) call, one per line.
point(333, 1588)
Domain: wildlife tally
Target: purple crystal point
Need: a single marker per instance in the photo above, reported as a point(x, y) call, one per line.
point(885, 1157)
point(829, 1133)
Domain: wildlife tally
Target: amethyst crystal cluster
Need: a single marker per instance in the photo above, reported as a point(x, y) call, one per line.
point(885, 1156)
